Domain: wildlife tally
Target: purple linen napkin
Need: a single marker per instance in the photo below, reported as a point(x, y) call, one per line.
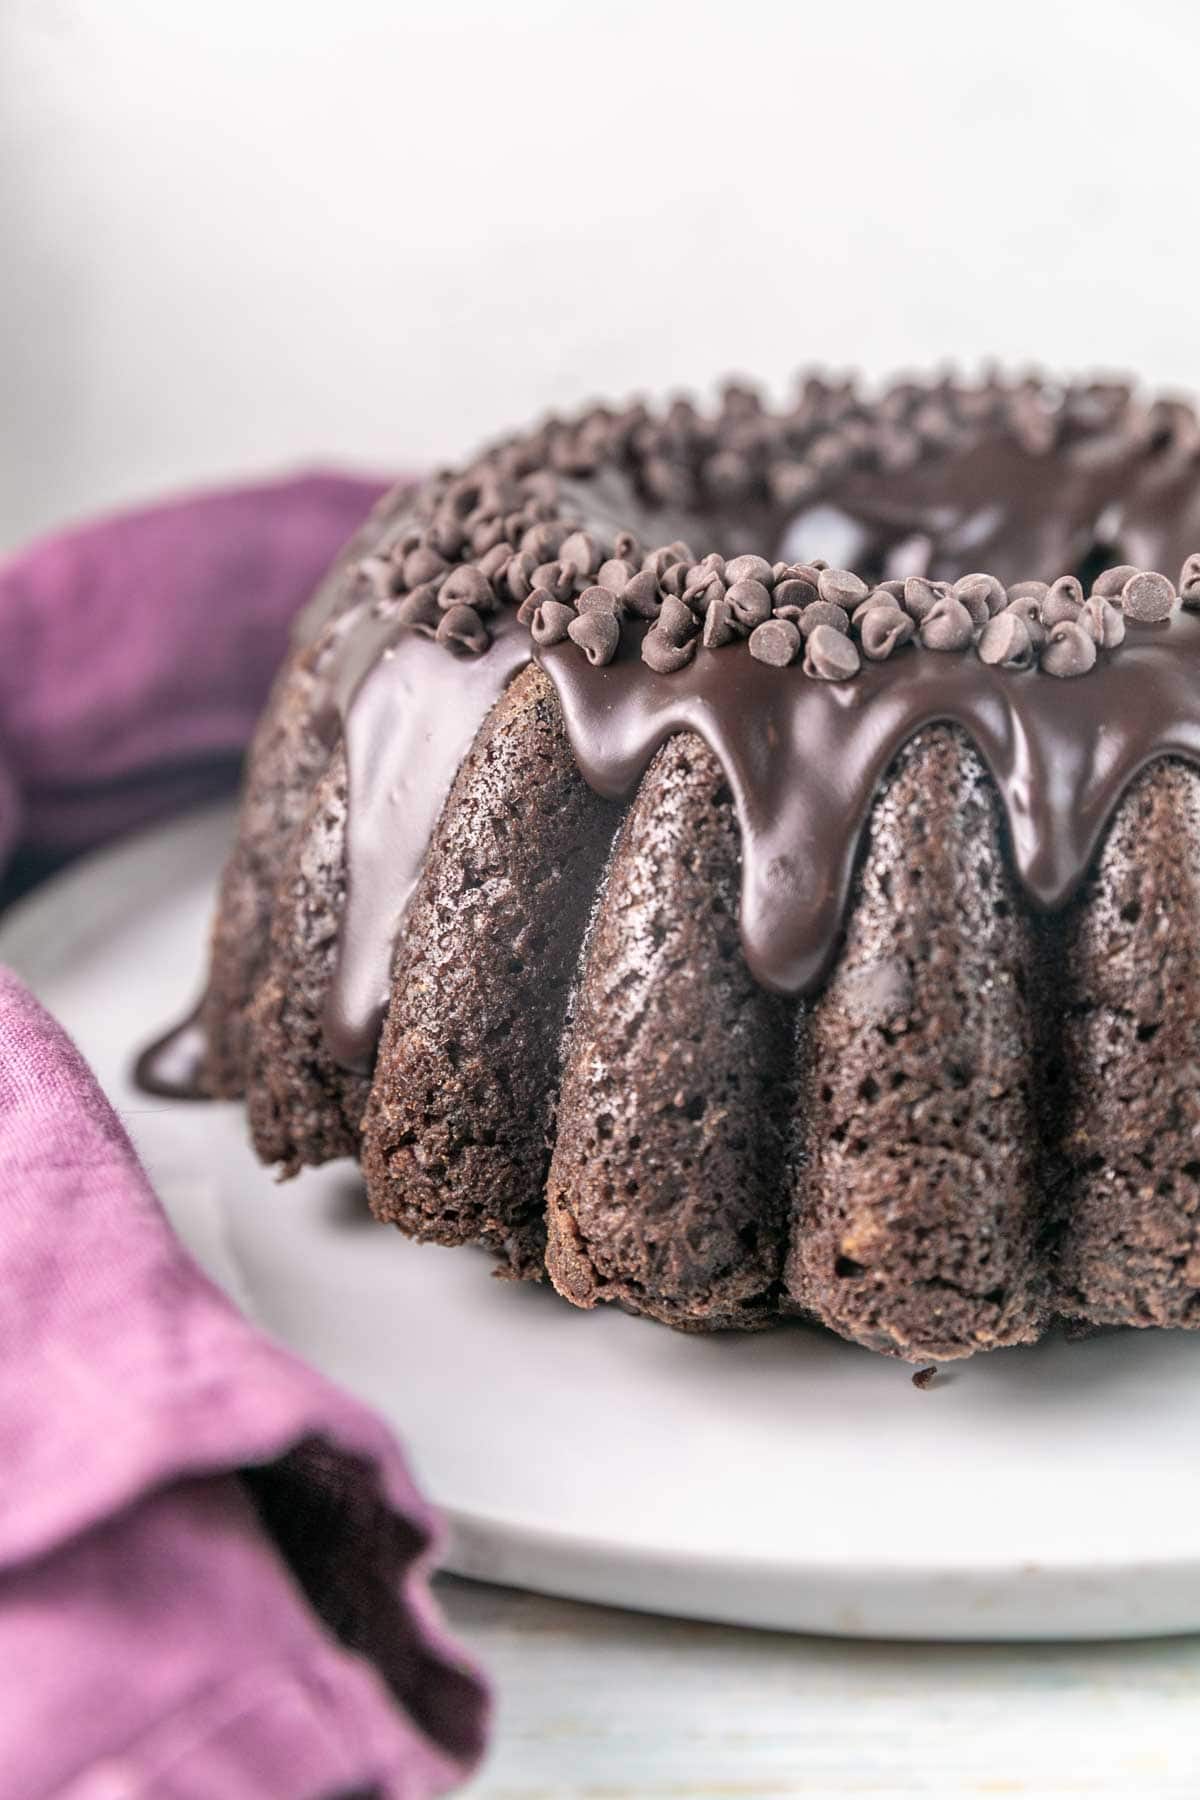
point(212, 1563)
point(136, 652)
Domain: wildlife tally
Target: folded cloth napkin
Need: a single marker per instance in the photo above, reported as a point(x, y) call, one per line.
point(135, 653)
point(212, 1563)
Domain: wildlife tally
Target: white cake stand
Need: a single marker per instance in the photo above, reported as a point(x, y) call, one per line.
point(786, 1479)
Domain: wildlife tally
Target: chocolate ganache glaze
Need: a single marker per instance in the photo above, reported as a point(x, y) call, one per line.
point(805, 681)
point(804, 758)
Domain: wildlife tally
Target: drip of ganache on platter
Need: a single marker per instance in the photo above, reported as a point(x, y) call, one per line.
point(172, 1067)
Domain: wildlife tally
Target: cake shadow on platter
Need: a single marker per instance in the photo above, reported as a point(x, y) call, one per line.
point(732, 935)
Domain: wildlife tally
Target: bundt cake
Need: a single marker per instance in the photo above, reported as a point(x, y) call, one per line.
point(666, 862)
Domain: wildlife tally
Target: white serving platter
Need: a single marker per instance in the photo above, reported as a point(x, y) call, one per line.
point(785, 1479)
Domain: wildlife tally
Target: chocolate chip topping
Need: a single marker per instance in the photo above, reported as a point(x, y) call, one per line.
point(749, 601)
point(641, 597)
point(597, 633)
point(982, 595)
point(883, 628)
point(947, 625)
point(1069, 650)
point(840, 587)
point(776, 641)
point(551, 619)
point(532, 525)
point(1005, 642)
point(823, 612)
point(829, 656)
point(664, 657)
point(921, 596)
point(720, 626)
point(1189, 582)
point(462, 627)
point(599, 599)
point(1109, 583)
point(1103, 622)
point(467, 586)
point(748, 568)
point(1148, 598)
point(677, 622)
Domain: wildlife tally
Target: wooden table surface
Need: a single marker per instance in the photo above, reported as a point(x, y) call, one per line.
point(596, 1704)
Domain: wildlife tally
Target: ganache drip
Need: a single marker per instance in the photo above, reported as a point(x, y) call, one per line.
point(804, 760)
point(805, 680)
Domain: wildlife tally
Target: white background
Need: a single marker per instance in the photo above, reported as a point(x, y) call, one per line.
point(235, 234)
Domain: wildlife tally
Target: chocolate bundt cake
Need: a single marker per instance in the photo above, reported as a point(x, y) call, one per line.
point(666, 862)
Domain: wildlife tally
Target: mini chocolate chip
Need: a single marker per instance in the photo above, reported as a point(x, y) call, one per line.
point(496, 562)
point(982, 595)
point(615, 574)
point(681, 552)
point(486, 535)
point(883, 628)
point(382, 577)
point(823, 612)
point(1148, 597)
point(1069, 650)
point(518, 576)
point(828, 656)
point(775, 641)
point(878, 596)
point(675, 580)
point(749, 568)
point(657, 562)
point(1005, 641)
point(1063, 601)
point(1109, 582)
point(793, 591)
point(947, 625)
point(543, 541)
point(626, 548)
point(423, 564)
point(1103, 622)
point(641, 597)
point(550, 621)
point(921, 596)
point(582, 549)
point(894, 588)
point(1029, 590)
point(420, 609)
point(1189, 582)
point(664, 657)
point(558, 578)
point(699, 595)
point(529, 605)
point(712, 564)
point(596, 633)
point(599, 599)
point(463, 627)
point(720, 626)
point(676, 622)
point(841, 587)
point(750, 602)
point(467, 586)
point(1029, 609)
point(447, 536)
